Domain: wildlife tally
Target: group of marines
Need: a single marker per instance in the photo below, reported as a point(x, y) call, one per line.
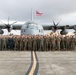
point(37, 42)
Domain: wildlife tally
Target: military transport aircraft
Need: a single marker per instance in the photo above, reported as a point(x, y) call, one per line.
point(33, 28)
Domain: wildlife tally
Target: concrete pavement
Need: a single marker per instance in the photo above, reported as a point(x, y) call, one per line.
point(14, 62)
point(50, 63)
point(57, 63)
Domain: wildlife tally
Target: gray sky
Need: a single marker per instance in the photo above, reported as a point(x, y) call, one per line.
point(53, 10)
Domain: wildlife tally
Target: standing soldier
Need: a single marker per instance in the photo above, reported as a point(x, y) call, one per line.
point(25, 40)
point(73, 43)
point(58, 39)
point(17, 42)
point(14, 42)
point(38, 42)
point(34, 43)
point(50, 42)
point(62, 43)
point(53, 40)
point(68, 43)
point(30, 43)
point(65, 42)
point(10, 42)
point(46, 42)
point(21, 43)
point(41, 43)
point(1, 42)
point(4, 43)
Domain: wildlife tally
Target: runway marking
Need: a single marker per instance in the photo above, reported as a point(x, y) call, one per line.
point(34, 64)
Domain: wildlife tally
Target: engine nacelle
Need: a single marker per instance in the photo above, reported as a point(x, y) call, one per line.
point(63, 32)
point(54, 29)
point(1, 31)
point(74, 27)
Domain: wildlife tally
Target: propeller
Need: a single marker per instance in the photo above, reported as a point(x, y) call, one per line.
point(8, 26)
point(55, 26)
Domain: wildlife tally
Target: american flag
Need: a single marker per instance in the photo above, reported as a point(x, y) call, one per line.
point(38, 13)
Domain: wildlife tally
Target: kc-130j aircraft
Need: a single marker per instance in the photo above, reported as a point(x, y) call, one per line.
point(33, 28)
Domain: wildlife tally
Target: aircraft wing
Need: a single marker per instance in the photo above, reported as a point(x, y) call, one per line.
point(2, 26)
point(58, 27)
point(16, 26)
point(45, 27)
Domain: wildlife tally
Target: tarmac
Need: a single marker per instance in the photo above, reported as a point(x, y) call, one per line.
point(47, 63)
point(14, 62)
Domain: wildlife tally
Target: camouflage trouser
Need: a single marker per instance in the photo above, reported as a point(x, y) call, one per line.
point(53, 46)
point(41, 48)
point(62, 45)
point(34, 46)
point(0, 46)
point(73, 46)
point(58, 45)
point(67, 46)
point(50, 46)
point(21, 46)
point(30, 46)
point(25, 46)
point(38, 46)
point(4, 46)
point(16, 46)
point(46, 46)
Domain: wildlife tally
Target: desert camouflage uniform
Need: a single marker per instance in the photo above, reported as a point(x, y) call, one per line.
point(63, 42)
point(25, 43)
point(41, 44)
point(1, 42)
point(34, 43)
point(21, 43)
point(73, 43)
point(30, 43)
point(58, 40)
point(4, 45)
point(53, 40)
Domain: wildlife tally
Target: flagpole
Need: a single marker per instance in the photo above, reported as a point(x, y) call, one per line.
point(31, 15)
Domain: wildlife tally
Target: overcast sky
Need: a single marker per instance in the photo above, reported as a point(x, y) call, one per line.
point(53, 10)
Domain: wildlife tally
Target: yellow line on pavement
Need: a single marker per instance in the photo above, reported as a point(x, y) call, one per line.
point(34, 64)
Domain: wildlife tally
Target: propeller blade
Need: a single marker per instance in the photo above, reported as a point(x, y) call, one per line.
point(54, 23)
point(58, 22)
point(3, 23)
point(13, 23)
